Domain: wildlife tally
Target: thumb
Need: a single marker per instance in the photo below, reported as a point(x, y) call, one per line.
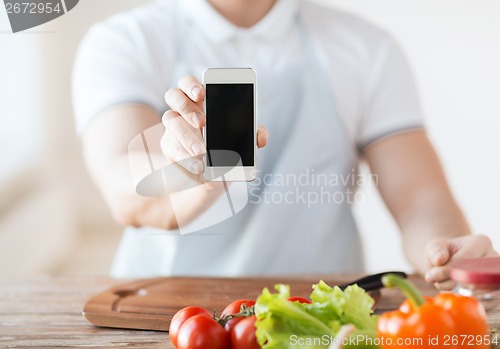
point(438, 252)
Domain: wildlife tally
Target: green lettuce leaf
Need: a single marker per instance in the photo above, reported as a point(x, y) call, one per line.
point(352, 306)
point(284, 325)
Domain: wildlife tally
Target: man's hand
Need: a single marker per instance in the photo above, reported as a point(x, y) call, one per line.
point(441, 252)
point(182, 142)
point(413, 185)
point(107, 156)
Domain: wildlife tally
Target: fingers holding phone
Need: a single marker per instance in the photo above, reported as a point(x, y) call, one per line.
point(182, 142)
point(194, 89)
point(262, 136)
point(233, 127)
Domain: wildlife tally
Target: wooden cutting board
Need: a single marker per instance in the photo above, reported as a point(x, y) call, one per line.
point(149, 304)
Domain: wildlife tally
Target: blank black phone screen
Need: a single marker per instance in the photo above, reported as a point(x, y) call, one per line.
point(230, 124)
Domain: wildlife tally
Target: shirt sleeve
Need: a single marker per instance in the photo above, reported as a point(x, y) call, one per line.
point(110, 69)
point(391, 104)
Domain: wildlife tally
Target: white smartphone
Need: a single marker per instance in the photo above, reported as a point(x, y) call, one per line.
point(230, 132)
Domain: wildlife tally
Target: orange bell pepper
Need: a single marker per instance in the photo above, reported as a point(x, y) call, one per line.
point(445, 321)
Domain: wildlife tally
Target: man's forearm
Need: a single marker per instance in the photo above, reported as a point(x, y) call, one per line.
point(414, 187)
point(435, 215)
point(164, 211)
point(126, 205)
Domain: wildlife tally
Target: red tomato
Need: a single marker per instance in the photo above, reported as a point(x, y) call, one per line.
point(234, 308)
point(300, 300)
point(180, 317)
point(243, 334)
point(202, 332)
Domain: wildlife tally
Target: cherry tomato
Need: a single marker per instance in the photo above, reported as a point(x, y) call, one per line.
point(300, 300)
point(234, 308)
point(202, 332)
point(243, 334)
point(180, 317)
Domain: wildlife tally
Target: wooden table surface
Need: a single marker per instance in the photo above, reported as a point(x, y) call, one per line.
point(45, 312)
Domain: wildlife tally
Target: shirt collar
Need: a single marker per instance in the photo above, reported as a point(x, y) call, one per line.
point(275, 25)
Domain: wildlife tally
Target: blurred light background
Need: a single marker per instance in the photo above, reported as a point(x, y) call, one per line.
point(52, 220)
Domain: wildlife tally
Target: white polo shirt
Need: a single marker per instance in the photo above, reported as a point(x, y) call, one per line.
point(134, 57)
